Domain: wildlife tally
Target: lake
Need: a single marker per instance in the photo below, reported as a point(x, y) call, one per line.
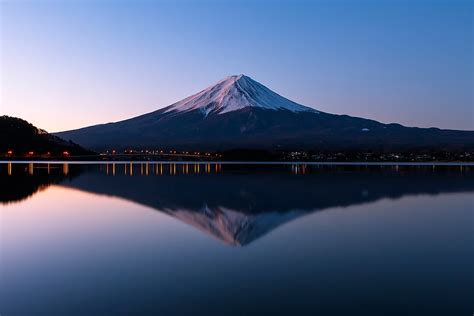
point(225, 239)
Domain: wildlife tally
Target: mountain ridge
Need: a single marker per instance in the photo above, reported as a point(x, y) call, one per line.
point(22, 139)
point(239, 112)
point(235, 93)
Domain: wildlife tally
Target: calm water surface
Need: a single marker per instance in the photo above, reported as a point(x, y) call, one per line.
point(210, 239)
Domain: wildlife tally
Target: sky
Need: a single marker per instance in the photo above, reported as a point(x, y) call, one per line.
point(66, 64)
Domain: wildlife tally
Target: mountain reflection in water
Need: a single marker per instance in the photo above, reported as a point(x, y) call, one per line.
point(237, 204)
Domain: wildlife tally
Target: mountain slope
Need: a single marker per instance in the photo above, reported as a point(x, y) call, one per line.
point(239, 112)
point(235, 93)
point(21, 138)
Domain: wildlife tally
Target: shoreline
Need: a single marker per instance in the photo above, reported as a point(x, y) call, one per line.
point(315, 163)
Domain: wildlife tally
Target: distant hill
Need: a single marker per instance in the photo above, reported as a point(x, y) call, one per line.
point(238, 112)
point(21, 139)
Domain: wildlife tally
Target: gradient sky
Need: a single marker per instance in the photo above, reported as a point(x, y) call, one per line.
point(68, 64)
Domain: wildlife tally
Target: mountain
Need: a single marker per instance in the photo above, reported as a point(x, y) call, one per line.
point(239, 112)
point(20, 138)
point(236, 93)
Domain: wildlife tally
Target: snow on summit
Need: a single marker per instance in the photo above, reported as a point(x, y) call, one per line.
point(234, 93)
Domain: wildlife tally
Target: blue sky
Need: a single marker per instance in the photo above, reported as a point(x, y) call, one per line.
point(67, 64)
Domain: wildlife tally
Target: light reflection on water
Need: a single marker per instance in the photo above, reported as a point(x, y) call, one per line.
point(179, 238)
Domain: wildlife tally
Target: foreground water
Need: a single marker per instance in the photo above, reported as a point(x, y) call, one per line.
point(215, 239)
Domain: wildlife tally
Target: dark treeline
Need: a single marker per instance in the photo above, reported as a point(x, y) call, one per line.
point(18, 138)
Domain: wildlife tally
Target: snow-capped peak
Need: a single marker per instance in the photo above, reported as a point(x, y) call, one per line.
point(234, 93)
